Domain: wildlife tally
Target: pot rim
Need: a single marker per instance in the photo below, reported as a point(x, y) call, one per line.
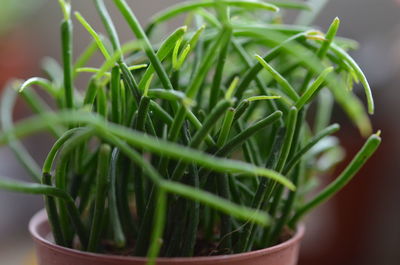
point(40, 218)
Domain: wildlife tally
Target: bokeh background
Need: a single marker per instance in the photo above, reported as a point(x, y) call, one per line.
point(359, 227)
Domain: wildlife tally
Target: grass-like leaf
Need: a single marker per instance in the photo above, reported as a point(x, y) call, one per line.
point(348, 173)
point(187, 133)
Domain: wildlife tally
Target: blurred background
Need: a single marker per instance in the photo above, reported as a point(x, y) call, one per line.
point(358, 227)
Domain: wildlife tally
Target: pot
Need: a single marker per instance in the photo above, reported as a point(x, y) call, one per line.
point(48, 253)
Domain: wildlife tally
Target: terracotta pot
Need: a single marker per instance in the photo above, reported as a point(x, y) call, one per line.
point(50, 254)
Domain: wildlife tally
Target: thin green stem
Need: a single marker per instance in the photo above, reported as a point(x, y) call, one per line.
point(158, 226)
point(101, 194)
point(66, 43)
point(146, 142)
point(42, 83)
point(52, 214)
point(288, 89)
point(41, 189)
point(6, 108)
point(86, 55)
point(215, 89)
point(313, 90)
point(312, 142)
point(115, 95)
point(118, 233)
point(38, 105)
point(192, 5)
point(226, 127)
point(141, 35)
point(348, 173)
point(94, 35)
point(197, 139)
point(108, 24)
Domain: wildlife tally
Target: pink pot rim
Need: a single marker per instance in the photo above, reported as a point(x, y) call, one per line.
point(40, 218)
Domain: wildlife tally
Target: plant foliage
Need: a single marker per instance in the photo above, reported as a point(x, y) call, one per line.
point(204, 141)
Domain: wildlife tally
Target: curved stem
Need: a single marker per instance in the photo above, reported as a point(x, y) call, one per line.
point(348, 173)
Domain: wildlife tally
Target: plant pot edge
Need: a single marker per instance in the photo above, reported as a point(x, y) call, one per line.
point(39, 220)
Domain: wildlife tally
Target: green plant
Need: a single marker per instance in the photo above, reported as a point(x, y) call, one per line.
point(196, 138)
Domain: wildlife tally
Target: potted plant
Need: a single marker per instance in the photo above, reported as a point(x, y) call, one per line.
point(199, 149)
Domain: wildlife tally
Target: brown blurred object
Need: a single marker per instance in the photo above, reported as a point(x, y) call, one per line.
point(350, 232)
point(17, 58)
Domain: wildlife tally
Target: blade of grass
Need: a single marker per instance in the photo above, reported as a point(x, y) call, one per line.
point(289, 90)
point(187, 191)
point(324, 110)
point(32, 188)
point(348, 173)
point(343, 55)
point(256, 68)
point(226, 127)
point(165, 49)
point(38, 105)
point(66, 44)
point(6, 108)
point(188, 6)
point(313, 90)
point(41, 189)
point(40, 82)
point(52, 214)
point(85, 56)
point(240, 212)
point(118, 233)
point(108, 24)
point(199, 136)
point(159, 221)
point(323, 50)
point(53, 70)
point(141, 35)
point(265, 193)
point(48, 163)
point(115, 95)
point(247, 133)
point(170, 95)
point(260, 84)
point(311, 143)
point(146, 142)
point(94, 34)
point(215, 89)
point(350, 103)
point(101, 194)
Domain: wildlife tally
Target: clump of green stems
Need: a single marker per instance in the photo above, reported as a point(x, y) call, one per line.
point(207, 134)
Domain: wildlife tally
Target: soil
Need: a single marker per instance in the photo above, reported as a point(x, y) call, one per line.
point(203, 247)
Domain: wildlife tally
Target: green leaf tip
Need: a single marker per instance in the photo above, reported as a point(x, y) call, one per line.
point(336, 22)
point(275, 176)
point(232, 87)
point(65, 8)
point(287, 88)
point(183, 28)
point(96, 37)
point(257, 98)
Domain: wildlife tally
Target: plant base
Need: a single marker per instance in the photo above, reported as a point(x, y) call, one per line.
point(48, 253)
